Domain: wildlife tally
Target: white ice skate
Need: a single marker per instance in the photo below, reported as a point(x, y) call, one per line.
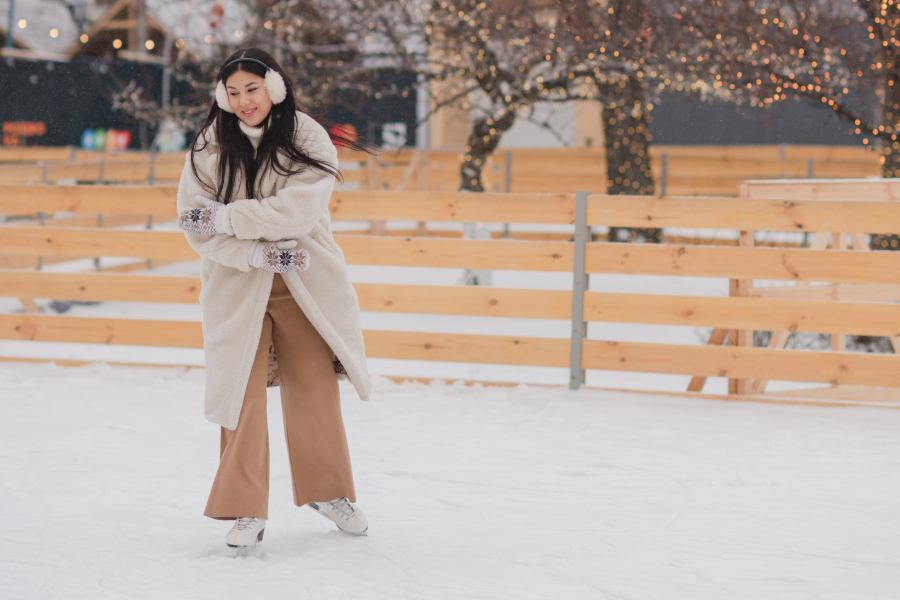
point(349, 518)
point(246, 532)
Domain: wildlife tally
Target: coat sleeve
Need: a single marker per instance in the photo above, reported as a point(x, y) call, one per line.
point(223, 249)
point(294, 209)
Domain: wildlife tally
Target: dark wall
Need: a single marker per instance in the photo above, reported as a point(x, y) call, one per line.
point(77, 95)
point(73, 96)
point(686, 120)
point(368, 112)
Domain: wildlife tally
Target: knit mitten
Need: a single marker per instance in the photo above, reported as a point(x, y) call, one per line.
point(212, 218)
point(198, 220)
point(278, 257)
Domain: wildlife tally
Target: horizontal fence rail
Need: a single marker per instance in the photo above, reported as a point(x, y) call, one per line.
point(688, 170)
point(806, 214)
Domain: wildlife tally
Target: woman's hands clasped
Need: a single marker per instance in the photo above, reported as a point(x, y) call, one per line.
point(212, 218)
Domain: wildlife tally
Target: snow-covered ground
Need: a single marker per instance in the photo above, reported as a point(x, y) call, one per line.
point(472, 493)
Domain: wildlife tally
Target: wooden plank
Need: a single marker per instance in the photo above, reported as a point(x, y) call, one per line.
point(159, 200)
point(695, 187)
point(840, 368)
point(168, 171)
point(467, 348)
point(602, 257)
point(453, 206)
point(77, 243)
point(845, 190)
point(90, 220)
point(465, 300)
point(87, 330)
point(846, 292)
point(449, 300)
point(726, 213)
point(371, 250)
point(20, 174)
point(100, 286)
point(142, 200)
point(741, 262)
point(127, 172)
point(749, 313)
point(860, 318)
point(729, 152)
point(461, 253)
point(834, 153)
point(81, 171)
point(109, 155)
point(33, 153)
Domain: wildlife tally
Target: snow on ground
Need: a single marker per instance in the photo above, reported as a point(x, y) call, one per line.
point(471, 492)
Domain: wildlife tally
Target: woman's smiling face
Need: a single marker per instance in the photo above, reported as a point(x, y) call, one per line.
point(248, 97)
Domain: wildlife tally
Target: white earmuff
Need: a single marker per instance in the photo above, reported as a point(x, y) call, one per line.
point(222, 97)
point(275, 86)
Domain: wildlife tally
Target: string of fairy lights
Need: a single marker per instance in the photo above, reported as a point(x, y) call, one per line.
point(829, 54)
point(625, 54)
point(118, 43)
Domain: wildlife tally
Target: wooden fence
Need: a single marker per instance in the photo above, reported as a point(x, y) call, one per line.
point(678, 170)
point(731, 315)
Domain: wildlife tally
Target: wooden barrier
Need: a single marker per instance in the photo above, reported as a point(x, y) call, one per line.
point(866, 312)
point(846, 233)
point(678, 170)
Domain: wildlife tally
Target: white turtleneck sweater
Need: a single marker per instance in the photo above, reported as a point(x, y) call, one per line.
point(254, 134)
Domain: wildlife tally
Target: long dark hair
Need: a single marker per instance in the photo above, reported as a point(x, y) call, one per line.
point(277, 143)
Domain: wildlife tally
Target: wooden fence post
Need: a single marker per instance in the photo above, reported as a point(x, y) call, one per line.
point(42, 221)
point(664, 174)
point(151, 169)
point(507, 182)
point(373, 182)
point(741, 337)
point(99, 226)
point(421, 174)
point(579, 287)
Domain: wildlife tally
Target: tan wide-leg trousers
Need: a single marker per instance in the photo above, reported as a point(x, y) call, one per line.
point(313, 426)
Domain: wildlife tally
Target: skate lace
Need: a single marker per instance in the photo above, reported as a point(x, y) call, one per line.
point(343, 507)
point(245, 523)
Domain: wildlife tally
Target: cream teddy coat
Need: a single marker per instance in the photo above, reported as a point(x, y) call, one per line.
point(234, 295)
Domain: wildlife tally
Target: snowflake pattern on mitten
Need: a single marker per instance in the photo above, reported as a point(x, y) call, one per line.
point(198, 220)
point(282, 260)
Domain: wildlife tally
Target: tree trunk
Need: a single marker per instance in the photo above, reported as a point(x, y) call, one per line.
point(890, 152)
point(483, 140)
point(626, 123)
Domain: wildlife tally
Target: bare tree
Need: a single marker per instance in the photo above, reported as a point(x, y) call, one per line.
point(838, 54)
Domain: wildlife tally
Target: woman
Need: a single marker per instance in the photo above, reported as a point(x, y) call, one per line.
point(253, 203)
